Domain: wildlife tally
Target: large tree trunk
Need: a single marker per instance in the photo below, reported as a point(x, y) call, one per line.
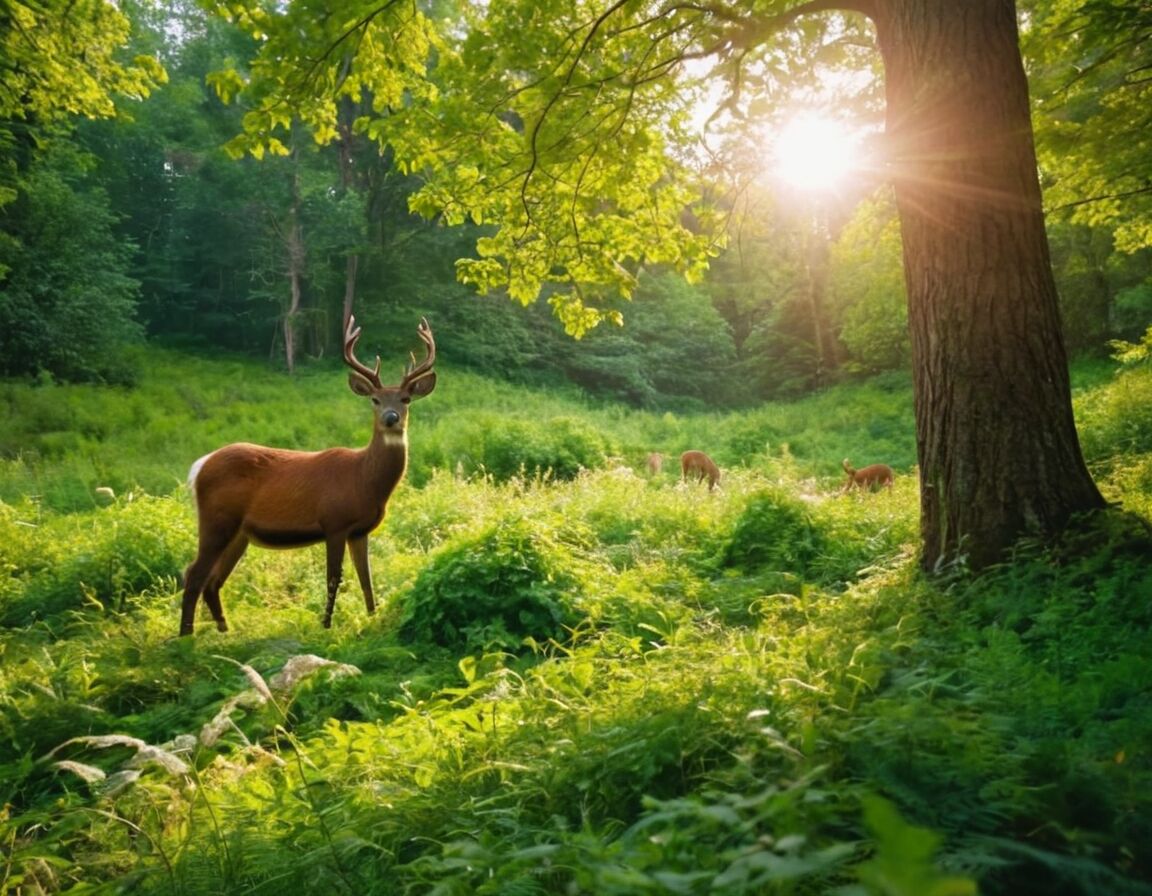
point(998, 450)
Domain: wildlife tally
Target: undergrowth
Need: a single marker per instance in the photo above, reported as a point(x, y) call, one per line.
point(582, 681)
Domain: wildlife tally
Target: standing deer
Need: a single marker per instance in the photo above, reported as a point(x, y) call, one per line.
point(699, 466)
point(278, 498)
point(655, 463)
point(871, 477)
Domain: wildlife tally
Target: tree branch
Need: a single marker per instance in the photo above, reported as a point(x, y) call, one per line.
point(1124, 194)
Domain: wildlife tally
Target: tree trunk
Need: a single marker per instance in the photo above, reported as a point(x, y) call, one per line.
point(998, 450)
point(294, 248)
point(345, 119)
point(352, 263)
point(817, 262)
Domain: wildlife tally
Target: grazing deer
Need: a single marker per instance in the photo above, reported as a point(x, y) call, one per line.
point(871, 477)
point(699, 466)
point(279, 498)
point(655, 463)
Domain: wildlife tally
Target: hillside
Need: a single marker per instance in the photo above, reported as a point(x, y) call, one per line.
point(581, 679)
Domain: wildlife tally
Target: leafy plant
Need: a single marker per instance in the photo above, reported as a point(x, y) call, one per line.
point(114, 554)
point(773, 532)
point(515, 580)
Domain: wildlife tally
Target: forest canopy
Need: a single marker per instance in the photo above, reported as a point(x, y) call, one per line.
point(804, 285)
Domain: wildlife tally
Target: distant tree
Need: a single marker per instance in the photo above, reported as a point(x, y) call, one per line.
point(67, 303)
point(66, 299)
point(762, 284)
point(867, 286)
point(673, 349)
point(1088, 62)
point(1082, 257)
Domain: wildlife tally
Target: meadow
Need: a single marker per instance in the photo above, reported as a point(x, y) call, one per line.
point(582, 679)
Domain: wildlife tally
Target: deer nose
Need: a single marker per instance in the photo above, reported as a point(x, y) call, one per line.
point(391, 417)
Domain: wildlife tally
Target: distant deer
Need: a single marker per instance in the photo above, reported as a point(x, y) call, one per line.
point(699, 466)
point(870, 477)
point(655, 463)
point(279, 498)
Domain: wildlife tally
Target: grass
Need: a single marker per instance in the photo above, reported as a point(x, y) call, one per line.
point(749, 691)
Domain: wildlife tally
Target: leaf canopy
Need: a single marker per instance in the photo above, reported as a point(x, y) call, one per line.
point(60, 59)
point(1089, 71)
point(564, 129)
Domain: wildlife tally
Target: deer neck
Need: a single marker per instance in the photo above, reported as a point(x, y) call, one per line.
point(385, 460)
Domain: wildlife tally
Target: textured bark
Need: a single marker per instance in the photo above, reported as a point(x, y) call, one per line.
point(998, 450)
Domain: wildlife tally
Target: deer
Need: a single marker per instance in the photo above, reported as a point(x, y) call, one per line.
point(699, 466)
point(871, 477)
point(282, 498)
point(655, 463)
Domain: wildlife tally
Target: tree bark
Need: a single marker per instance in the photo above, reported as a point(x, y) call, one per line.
point(294, 250)
point(998, 450)
point(345, 119)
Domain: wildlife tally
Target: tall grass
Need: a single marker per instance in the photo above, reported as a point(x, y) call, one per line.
point(582, 679)
point(59, 444)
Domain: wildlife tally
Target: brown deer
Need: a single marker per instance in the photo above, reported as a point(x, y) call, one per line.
point(278, 498)
point(655, 463)
point(699, 466)
point(871, 477)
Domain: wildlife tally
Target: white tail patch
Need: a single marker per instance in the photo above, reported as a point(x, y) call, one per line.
point(194, 470)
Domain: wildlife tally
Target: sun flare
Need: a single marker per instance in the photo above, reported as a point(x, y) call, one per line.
point(814, 154)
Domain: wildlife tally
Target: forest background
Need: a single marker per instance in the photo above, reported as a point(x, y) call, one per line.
point(584, 680)
point(143, 224)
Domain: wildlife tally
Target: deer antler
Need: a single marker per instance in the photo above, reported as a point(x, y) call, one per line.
point(416, 371)
point(351, 335)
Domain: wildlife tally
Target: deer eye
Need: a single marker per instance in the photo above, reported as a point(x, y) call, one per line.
point(405, 400)
point(375, 401)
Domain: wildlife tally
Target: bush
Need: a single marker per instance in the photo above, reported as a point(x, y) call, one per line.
point(515, 580)
point(507, 447)
point(112, 554)
point(774, 532)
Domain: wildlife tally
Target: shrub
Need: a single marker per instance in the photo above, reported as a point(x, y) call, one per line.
point(505, 447)
point(563, 446)
point(514, 580)
point(110, 554)
point(774, 532)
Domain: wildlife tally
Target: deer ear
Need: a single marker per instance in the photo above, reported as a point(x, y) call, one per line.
point(421, 387)
point(359, 384)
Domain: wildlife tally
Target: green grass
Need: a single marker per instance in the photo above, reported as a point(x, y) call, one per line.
point(580, 680)
point(58, 444)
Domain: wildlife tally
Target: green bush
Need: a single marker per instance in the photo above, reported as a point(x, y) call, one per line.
point(562, 447)
point(112, 554)
point(775, 532)
point(514, 580)
point(506, 447)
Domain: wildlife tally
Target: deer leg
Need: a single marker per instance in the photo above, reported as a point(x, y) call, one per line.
point(335, 564)
point(196, 576)
point(358, 548)
point(219, 575)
